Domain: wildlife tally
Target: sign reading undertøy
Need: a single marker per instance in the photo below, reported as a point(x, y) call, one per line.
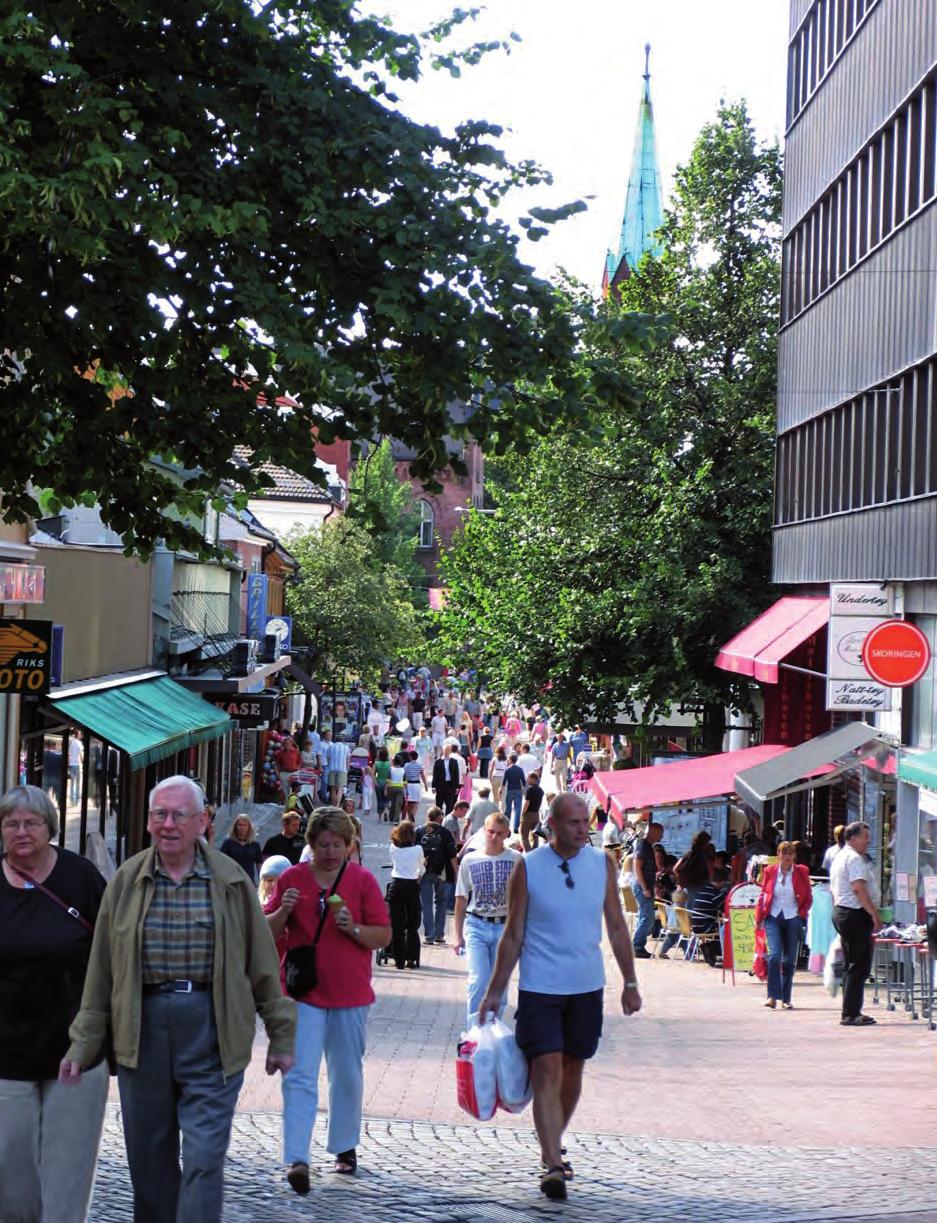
point(25, 656)
point(856, 608)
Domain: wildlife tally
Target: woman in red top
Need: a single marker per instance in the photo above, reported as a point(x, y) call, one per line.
point(332, 1017)
point(785, 900)
point(288, 760)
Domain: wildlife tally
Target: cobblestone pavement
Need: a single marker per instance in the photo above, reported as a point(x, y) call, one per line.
point(486, 1174)
point(680, 1116)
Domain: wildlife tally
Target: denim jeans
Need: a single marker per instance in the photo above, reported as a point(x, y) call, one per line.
point(513, 800)
point(433, 900)
point(339, 1033)
point(481, 947)
point(646, 914)
point(782, 935)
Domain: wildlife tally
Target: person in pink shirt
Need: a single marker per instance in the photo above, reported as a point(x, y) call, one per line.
point(336, 906)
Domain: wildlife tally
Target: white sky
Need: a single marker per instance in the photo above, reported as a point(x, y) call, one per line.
point(569, 93)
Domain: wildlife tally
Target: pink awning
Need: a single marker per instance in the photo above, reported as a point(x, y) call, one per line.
point(758, 649)
point(663, 785)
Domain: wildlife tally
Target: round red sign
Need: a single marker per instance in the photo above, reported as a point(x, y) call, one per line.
point(896, 653)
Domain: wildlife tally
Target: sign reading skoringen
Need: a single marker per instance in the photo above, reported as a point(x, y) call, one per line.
point(25, 656)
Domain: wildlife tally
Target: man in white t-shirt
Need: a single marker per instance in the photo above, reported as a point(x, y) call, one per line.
point(527, 761)
point(438, 727)
point(338, 769)
point(481, 907)
point(855, 916)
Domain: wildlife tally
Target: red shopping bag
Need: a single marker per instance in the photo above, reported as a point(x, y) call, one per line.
point(476, 1073)
point(760, 962)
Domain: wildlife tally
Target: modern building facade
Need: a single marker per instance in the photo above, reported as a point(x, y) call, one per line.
point(856, 480)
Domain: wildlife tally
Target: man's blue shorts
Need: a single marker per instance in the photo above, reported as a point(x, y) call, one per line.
point(559, 1023)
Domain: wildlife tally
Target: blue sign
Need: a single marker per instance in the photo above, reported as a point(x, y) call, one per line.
point(256, 605)
point(283, 627)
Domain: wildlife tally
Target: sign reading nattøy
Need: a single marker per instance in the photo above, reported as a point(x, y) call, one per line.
point(25, 656)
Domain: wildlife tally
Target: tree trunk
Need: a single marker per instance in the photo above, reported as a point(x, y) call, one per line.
point(714, 728)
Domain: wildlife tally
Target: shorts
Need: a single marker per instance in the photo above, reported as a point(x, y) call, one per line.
point(559, 1023)
point(438, 739)
point(338, 780)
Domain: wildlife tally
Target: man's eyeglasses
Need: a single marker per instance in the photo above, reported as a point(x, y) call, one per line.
point(570, 881)
point(160, 814)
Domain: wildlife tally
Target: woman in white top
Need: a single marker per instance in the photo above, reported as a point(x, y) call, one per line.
point(403, 895)
point(496, 773)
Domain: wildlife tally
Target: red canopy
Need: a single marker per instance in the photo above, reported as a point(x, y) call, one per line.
point(663, 785)
point(757, 649)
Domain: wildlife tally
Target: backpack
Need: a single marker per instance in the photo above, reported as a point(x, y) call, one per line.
point(433, 842)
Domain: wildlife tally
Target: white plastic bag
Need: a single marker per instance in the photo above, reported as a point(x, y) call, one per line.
point(833, 968)
point(476, 1072)
point(513, 1070)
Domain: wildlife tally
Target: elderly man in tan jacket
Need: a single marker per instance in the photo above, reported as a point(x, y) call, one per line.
point(181, 964)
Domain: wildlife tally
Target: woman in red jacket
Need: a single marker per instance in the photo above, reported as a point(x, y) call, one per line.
point(785, 900)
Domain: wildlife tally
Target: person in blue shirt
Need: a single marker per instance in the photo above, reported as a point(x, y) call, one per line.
point(512, 791)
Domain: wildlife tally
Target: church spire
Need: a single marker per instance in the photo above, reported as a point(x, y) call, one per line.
point(643, 198)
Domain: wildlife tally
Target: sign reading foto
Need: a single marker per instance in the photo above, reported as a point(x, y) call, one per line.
point(856, 608)
point(25, 656)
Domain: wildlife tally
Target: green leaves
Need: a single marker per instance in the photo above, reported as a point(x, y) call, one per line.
point(163, 179)
point(627, 549)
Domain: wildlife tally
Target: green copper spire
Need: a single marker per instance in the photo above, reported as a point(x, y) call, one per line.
point(643, 202)
point(643, 199)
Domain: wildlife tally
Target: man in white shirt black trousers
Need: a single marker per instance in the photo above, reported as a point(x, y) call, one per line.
point(855, 916)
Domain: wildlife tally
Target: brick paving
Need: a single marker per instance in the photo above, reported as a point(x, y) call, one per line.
point(704, 1107)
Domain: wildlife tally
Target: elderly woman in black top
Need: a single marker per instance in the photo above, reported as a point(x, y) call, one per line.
point(49, 1133)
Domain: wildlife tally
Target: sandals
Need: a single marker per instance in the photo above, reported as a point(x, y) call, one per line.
point(553, 1183)
point(298, 1178)
point(346, 1163)
point(567, 1166)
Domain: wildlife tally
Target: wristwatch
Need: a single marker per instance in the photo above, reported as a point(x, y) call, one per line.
point(631, 985)
point(356, 931)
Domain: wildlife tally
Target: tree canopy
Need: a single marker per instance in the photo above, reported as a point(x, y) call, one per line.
point(217, 227)
point(384, 505)
point(353, 609)
point(613, 570)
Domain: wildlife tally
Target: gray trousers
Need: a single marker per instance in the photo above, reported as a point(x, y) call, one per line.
point(49, 1135)
point(178, 1088)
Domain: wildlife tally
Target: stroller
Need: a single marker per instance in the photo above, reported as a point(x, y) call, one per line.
point(382, 955)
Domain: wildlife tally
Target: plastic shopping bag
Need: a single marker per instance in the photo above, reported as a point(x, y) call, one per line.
point(513, 1070)
point(760, 962)
point(833, 968)
point(476, 1072)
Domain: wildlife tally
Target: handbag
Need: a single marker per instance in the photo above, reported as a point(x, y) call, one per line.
point(299, 964)
point(41, 887)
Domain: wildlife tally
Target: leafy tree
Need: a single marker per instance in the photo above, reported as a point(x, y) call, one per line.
point(352, 608)
point(614, 570)
point(385, 507)
point(203, 204)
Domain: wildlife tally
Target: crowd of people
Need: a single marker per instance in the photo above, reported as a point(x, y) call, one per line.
point(160, 976)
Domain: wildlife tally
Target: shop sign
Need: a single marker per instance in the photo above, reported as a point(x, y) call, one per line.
point(22, 583)
point(25, 656)
point(256, 604)
point(856, 608)
point(896, 653)
point(249, 710)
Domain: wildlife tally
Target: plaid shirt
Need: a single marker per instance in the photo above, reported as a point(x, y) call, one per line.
point(179, 927)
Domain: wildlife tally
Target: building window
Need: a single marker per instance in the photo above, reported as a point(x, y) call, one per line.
point(876, 449)
point(890, 180)
point(427, 525)
point(824, 32)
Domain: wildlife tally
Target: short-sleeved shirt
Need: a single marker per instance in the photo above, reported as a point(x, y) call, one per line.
point(343, 965)
point(561, 750)
point(484, 879)
point(644, 853)
point(413, 772)
point(283, 846)
point(179, 927)
point(338, 757)
point(848, 866)
point(43, 958)
point(533, 797)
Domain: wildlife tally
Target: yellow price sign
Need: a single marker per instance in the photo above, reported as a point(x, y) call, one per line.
point(742, 931)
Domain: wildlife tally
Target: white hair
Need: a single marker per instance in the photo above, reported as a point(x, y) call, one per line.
point(194, 792)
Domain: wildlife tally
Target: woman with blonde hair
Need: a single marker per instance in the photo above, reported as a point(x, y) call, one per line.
point(333, 916)
point(242, 845)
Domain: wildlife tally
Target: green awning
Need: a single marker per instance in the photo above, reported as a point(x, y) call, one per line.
point(920, 768)
point(149, 720)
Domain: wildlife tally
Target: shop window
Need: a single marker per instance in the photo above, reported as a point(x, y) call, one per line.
point(427, 525)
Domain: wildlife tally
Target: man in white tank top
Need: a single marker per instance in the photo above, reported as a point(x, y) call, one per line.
point(557, 898)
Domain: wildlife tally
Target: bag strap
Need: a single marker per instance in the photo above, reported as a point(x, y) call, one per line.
point(41, 887)
point(325, 909)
